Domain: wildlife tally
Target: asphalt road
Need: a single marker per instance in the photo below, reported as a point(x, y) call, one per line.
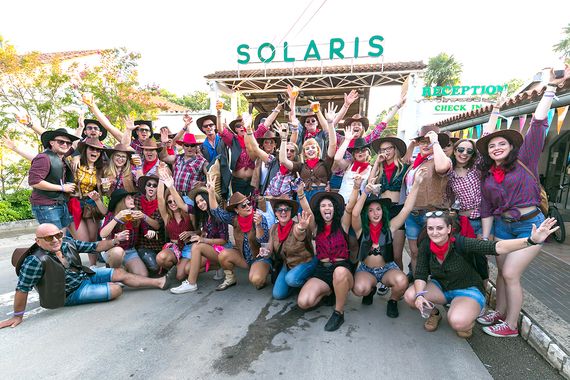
point(241, 333)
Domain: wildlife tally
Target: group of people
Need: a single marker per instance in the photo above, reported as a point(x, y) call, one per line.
point(314, 209)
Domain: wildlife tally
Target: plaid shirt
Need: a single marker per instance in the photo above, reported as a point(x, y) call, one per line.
point(143, 242)
point(215, 229)
point(467, 190)
point(188, 172)
point(133, 232)
point(32, 270)
point(280, 184)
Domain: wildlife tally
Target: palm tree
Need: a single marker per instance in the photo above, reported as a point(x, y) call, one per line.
point(564, 45)
point(443, 70)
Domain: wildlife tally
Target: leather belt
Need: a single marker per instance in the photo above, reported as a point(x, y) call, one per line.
point(524, 217)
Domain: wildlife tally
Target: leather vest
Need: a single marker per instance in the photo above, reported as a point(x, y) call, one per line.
point(293, 252)
point(235, 150)
point(271, 173)
point(58, 168)
point(385, 244)
point(238, 237)
point(432, 191)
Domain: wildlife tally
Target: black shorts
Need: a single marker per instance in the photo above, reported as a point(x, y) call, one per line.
point(324, 271)
point(395, 210)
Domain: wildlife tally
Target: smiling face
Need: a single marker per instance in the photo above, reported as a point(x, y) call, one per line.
point(499, 148)
point(358, 128)
point(92, 154)
point(291, 151)
point(269, 146)
point(143, 132)
point(150, 188)
point(244, 208)
point(119, 159)
point(361, 155)
point(375, 213)
point(311, 124)
point(150, 154)
point(283, 213)
point(438, 230)
point(463, 152)
point(311, 150)
point(326, 207)
point(190, 150)
point(49, 237)
point(92, 130)
point(60, 145)
point(426, 149)
point(240, 129)
point(201, 202)
point(171, 203)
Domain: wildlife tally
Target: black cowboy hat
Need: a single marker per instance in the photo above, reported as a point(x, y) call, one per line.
point(289, 202)
point(318, 197)
point(384, 202)
point(514, 137)
point(234, 122)
point(116, 197)
point(48, 136)
point(397, 142)
point(359, 143)
point(142, 122)
point(201, 121)
point(97, 123)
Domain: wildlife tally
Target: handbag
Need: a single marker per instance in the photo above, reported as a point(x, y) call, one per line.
point(543, 196)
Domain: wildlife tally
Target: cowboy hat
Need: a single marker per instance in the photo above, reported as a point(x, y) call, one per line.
point(199, 188)
point(120, 148)
point(116, 197)
point(201, 121)
point(318, 197)
point(384, 202)
point(289, 202)
point(365, 122)
point(234, 122)
point(441, 137)
point(514, 137)
point(359, 143)
point(92, 142)
point(236, 199)
point(97, 123)
point(269, 135)
point(397, 142)
point(48, 136)
point(151, 144)
point(141, 183)
point(189, 139)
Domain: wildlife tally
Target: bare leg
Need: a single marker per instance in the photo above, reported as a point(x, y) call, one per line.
point(84, 234)
point(413, 253)
point(115, 257)
point(364, 283)
point(135, 281)
point(398, 247)
point(397, 280)
point(136, 266)
point(230, 258)
point(462, 313)
point(181, 273)
point(312, 292)
point(166, 259)
point(198, 251)
point(500, 292)
point(342, 283)
point(258, 274)
point(434, 294)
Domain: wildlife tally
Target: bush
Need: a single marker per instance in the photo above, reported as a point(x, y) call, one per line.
point(16, 206)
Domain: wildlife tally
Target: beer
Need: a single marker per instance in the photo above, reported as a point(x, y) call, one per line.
point(136, 159)
point(87, 98)
point(129, 217)
point(24, 119)
point(315, 107)
point(295, 91)
point(105, 184)
point(219, 105)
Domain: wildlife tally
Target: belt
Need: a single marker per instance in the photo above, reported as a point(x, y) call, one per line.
point(418, 212)
point(524, 217)
point(328, 264)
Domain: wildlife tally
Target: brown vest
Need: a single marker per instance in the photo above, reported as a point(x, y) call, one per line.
point(238, 237)
point(293, 252)
point(432, 191)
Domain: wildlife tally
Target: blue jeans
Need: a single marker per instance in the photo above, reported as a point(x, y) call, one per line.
point(93, 289)
point(335, 181)
point(516, 230)
point(292, 278)
point(55, 214)
point(414, 225)
point(317, 189)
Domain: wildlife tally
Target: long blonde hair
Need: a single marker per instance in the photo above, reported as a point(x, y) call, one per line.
point(397, 161)
point(112, 171)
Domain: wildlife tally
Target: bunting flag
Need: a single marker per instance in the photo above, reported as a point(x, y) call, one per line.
point(498, 123)
point(550, 117)
point(471, 132)
point(478, 129)
point(509, 121)
point(562, 111)
point(522, 122)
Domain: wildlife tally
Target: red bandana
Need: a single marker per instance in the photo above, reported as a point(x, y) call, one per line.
point(283, 231)
point(466, 228)
point(148, 207)
point(327, 229)
point(312, 162)
point(440, 251)
point(148, 165)
point(283, 170)
point(359, 167)
point(311, 135)
point(498, 173)
point(419, 160)
point(241, 141)
point(245, 222)
point(375, 231)
point(351, 143)
point(389, 170)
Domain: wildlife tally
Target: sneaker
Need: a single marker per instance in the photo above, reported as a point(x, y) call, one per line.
point(335, 321)
point(219, 275)
point(392, 310)
point(185, 287)
point(383, 289)
point(465, 334)
point(93, 267)
point(490, 318)
point(431, 324)
point(369, 298)
point(501, 330)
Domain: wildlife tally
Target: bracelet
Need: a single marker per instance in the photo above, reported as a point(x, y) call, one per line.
point(529, 242)
point(115, 242)
point(495, 112)
point(274, 110)
point(18, 313)
point(62, 190)
point(421, 293)
point(144, 217)
point(301, 197)
point(118, 220)
point(249, 133)
point(485, 238)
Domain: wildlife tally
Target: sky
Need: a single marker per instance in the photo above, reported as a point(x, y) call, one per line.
point(180, 42)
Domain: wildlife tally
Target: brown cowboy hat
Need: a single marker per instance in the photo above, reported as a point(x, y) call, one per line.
point(151, 144)
point(289, 202)
point(269, 135)
point(199, 188)
point(441, 137)
point(97, 123)
point(189, 139)
point(397, 142)
point(20, 254)
point(365, 122)
point(514, 137)
point(236, 199)
point(201, 121)
point(92, 142)
point(121, 148)
point(318, 197)
point(141, 183)
point(234, 122)
point(259, 117)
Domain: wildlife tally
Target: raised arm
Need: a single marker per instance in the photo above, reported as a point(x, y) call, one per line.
point(399, 220)
point(169, 183)
point(349, 98)
point(252, 147)
point(491, 125)
point(283, 148)
point(211, 186)
point(340, 162)
point(292, 104)
point(441, 161)
point(394, 110)
point(8, 143)
point(329, 125)
point(410, 152)
point(306, 207)
point(106, 123)
point(129, 128)
point(546, 101)
point(273, 116)
point(161, 201)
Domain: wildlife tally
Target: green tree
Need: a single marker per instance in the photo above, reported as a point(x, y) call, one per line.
point(392, 127)
point(564, 45)
point(200, 100)
point(443, 70)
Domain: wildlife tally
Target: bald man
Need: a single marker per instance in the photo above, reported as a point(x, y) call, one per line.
point(53, 266)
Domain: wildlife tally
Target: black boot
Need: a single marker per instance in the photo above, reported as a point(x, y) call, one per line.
point(335, 321)
point(369, 298)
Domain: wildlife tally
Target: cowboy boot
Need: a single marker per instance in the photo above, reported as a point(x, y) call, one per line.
point(229, 281)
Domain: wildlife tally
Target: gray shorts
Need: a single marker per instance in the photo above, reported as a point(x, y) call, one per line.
point(378, 273)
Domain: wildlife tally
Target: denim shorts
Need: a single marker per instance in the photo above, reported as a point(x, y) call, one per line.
point(477, 226)
point(186, 252)
point(335, 182)
point(130, 254)
point(55, 214)
point(471, 292)
point(377, 272)
point(414, 225)
point(93, 289)
point(516, 230)
point(266, 260)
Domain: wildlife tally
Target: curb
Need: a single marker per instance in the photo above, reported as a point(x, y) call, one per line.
point(546, 345)
point(18, 225)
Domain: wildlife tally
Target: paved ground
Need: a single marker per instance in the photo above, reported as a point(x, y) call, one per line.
point(242, 333)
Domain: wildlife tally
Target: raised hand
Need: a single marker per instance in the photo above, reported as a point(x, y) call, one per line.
point(357, 181)
point(7, 142)
point(211, 183)
point(304, 220)
point(246, 119)
point(330, 113)
point(300, 187)
point(292, 92)
point(187, 119)
point(129, 123)
point(546, 228)
point(349, 133)
point(351, 97)
point(164, 135)
point(81, 119)
point(257, 218)
point(167, 180)
point(432, 136)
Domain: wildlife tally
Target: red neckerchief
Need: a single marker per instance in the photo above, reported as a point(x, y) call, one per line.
point(389, 170)
point(351, 143)
point(440, 251)
point(241, 141)
point(283, 231)
point(170, 151)
point(311, 135)
point(498, 173)
point(74, 207)
point(327, 229)
point(148, 207)
point(312, 162)
point(419, 160)
point(359, 167)
point(148, 165)
point(283, 170)
point(245, 222)
point(466, 228)
point(375, 231)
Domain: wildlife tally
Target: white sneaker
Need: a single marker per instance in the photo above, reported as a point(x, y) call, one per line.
point(185, 287)
point(219, 275)
point(93, 267)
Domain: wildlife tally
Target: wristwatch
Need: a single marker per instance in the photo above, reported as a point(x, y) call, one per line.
point(530, 243)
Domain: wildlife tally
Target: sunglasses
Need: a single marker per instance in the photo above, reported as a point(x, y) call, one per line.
point(171, 202)
point(63, 142)
point(188, 146)
point(245, 205)
point(386, 150)
point(424, 142)
point(143, 130)
point(281, 210)
point(152, 184)
point(50, 238)
point(469, 151)
point(208, 125)
point(291, 150)
point(311, 121)
point(91, 128)
point(434, 214)
point(239, 126)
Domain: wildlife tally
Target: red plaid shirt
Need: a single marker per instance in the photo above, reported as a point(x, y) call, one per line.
point(467, 190)
point(188, 172)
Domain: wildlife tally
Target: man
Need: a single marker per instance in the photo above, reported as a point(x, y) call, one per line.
point(189, 167)
point(53, 266)
point(51, 179)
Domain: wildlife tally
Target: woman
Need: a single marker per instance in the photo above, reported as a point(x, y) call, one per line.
point(250, 230)
point(290, 244)
point(87, 208)
point(356, 164)
point(448, 259)
point(390, 170)
point(510, 200)
point(117, 174)
point(211, 237)
point(372, 224)
point(329, 223)
point(123, 216)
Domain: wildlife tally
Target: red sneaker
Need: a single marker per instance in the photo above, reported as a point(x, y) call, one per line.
point(501, 330)
point(490, 318)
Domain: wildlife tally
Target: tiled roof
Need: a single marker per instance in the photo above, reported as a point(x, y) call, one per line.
point(66, 55)
point(318, 70)
point(533, 94)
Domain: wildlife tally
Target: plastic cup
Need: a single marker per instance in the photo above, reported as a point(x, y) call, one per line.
point(426, 309)
point(315, 107)
point(128, 217)
point(219, 105)
point(264, 250)
point(136, 159)
point(87, 98)
point(295, 91)
point(24, 119)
